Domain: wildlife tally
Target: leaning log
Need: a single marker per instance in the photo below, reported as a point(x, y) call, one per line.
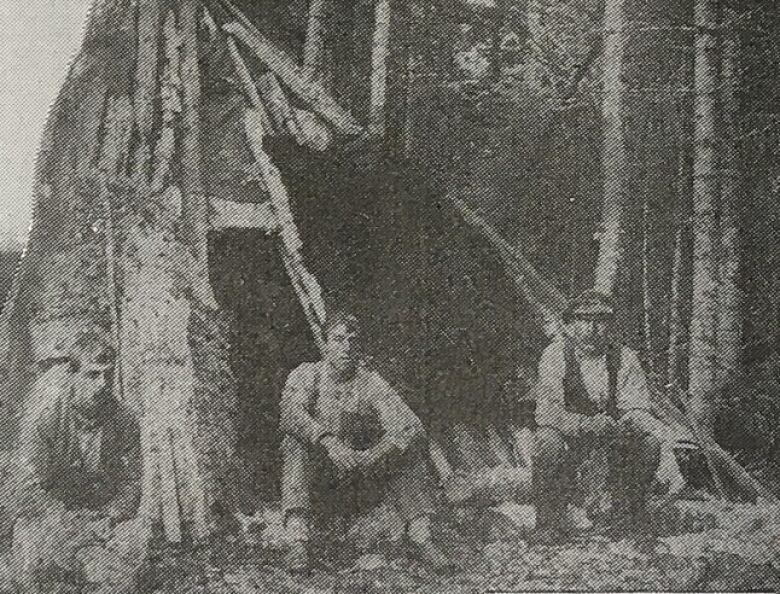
point(274, 99)
point(306, 287)
point(379, 50)
point(309, 92)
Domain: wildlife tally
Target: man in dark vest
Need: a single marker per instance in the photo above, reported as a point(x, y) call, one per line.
point(592, 393)
point(350, 440)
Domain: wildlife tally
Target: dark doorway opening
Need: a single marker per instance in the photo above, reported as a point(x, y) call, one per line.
point(270, 338)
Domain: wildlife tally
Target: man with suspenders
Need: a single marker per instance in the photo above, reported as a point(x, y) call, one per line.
point(349, 436)
point(592, 393)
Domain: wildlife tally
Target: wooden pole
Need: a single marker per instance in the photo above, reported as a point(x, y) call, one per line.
point(315, 49)
point(305, 285)
point(380, 45)
point(309, 92)
point(194, 201)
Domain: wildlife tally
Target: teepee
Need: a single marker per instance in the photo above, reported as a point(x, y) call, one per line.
point(187, 149)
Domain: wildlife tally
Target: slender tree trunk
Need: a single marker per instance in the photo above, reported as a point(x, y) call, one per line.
point(315, 63)
point(675, 318)
point(614, 152)
point(377, 117)
point(646, 286)
point(703, 354)
point(676, 329)
point(729, 302)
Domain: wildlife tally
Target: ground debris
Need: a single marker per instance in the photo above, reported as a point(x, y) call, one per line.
point(733, 550)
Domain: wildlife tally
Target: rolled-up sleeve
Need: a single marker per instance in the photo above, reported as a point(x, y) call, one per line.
point(550, 407)
point(295, 418)
point(399, 422)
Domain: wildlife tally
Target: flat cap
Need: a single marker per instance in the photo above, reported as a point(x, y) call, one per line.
point(589, 304)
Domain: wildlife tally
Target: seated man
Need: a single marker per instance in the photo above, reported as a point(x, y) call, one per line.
point(79, 469)
point(592, 394)
point(347, 431)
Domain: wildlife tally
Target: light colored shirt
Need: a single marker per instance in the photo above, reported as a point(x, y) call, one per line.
point(314, 404)
point(632, 389)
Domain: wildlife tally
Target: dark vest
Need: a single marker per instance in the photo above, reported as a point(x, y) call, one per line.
point(575, 394)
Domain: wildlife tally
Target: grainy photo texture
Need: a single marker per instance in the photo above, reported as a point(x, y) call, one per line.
point(389, 296)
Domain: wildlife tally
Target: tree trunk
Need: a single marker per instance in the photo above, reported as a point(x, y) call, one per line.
point(315, 49)
point(614, 152)
point(703, 354)
point(729, 338)
point(646, 285)
point(156, 357)
point(377, 117)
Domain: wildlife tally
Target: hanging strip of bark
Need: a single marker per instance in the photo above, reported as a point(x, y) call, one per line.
point(309, 92)
point(614, 151)
point(147, 56)
point(380, 45)
point(315, 49)
point(729, 303)
point(115, 146)
point(170, 95)
point(194, 201)
point(702, 363)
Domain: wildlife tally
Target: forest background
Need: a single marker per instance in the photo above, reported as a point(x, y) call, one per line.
point(513, 106)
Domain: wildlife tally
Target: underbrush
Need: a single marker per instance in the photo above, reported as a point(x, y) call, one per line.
point(748, 421)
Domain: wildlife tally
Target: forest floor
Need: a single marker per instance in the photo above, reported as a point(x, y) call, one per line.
point(702, 546)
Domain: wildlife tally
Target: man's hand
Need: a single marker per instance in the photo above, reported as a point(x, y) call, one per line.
point(344, 458)
point(601, 426)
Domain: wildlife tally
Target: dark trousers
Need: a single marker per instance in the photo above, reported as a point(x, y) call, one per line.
point(311, 484)
point(633, 458)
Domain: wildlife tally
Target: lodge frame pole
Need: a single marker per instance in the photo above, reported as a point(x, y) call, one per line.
point(380, 47)
point(194, 200)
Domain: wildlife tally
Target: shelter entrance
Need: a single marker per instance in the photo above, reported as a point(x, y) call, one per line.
point(270, 337)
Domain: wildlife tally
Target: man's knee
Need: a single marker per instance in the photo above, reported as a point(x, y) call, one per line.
point(549, 449)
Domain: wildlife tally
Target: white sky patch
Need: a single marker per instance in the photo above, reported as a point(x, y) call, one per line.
point(39, 39)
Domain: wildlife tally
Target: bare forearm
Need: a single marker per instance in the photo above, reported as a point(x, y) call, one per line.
point(298, 422)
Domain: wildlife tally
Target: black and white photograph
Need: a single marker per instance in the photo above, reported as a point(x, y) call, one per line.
point(389, 296)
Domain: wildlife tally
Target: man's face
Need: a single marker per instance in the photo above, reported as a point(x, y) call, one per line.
point(591, 333)
point(342, 351)
point(91, 384)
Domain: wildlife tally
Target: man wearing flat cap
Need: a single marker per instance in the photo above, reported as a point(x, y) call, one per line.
point(592, 393)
